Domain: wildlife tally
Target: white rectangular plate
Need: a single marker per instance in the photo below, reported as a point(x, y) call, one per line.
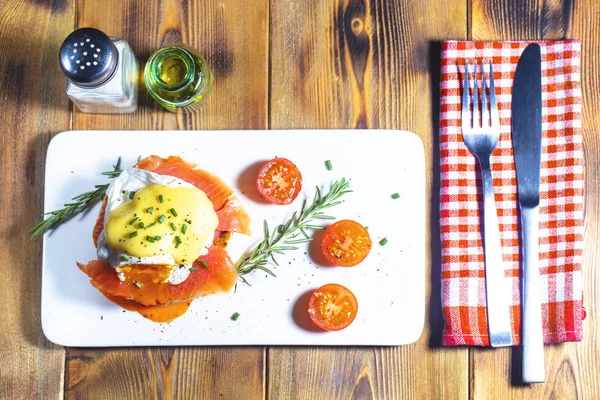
point(389, 284)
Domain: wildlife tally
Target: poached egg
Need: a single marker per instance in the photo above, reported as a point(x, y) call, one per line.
point(154, 219)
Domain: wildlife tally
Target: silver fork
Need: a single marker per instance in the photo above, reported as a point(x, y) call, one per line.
point(481, 140)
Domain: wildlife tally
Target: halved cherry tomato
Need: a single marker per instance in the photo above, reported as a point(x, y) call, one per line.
point(346, 243)
point(279, 181)
point(332, 307)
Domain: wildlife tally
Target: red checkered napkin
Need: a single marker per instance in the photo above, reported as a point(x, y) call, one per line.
point(561, 192)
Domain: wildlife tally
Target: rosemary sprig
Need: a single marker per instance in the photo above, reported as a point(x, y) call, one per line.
point(286, 237)
point(80, 203)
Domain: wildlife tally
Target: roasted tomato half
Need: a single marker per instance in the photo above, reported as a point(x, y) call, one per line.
point(332, 307)
point(346, 243)
point(279, 181)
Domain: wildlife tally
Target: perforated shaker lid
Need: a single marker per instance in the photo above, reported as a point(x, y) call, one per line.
point(88, 57)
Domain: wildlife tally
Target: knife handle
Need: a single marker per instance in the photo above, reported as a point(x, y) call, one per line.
point(532, 334)
point(497, 295)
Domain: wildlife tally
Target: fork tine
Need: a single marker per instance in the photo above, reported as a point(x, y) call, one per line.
point(465, 117)
point(495, 119)
point(484, 113)
point(475, 97)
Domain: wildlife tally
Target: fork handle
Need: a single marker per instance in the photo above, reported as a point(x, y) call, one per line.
point(532, 335)
point(497, 295)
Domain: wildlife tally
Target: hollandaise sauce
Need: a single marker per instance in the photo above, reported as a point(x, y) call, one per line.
point(159, 220)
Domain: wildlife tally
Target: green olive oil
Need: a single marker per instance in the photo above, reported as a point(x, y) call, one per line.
point(177, 77)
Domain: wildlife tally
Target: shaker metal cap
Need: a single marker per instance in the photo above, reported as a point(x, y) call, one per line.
point(88, 57)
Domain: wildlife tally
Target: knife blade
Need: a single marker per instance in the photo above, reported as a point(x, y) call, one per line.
point(527, 146)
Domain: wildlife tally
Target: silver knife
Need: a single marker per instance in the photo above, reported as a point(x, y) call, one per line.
point(527, 145)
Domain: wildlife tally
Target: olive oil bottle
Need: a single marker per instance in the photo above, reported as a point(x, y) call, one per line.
point(177, 77)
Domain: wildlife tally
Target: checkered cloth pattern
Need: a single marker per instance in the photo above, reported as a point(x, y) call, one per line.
point(561, 195)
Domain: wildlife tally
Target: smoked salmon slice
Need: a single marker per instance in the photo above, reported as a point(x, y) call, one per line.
point(233, 217)
point(105, 279)
point(154, 313)
point(220, 276)
point(216, 190)
point(99, 225)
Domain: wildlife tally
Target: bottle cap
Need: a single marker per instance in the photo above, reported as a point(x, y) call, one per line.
point(88, 57)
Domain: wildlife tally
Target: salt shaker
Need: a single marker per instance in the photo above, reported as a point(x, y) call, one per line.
point(101, 72)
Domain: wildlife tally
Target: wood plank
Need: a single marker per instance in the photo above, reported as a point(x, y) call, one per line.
point(233, 37)
point(34, 107)
point(367, 64)
point(571, 368)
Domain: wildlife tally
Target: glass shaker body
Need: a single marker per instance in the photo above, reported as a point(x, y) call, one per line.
point(118, 95)
point(102, 73)
point(178, 78)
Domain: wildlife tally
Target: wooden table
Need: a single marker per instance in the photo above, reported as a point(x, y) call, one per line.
point(277, 64)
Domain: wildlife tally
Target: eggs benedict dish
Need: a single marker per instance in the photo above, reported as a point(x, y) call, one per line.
point(161, 238)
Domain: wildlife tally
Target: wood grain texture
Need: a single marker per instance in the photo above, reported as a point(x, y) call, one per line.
point(233, 37)
point(586, 26)
point(367, 64)
point(165, 373)
point(334, 64)
point(571, 368)
point(34, 108)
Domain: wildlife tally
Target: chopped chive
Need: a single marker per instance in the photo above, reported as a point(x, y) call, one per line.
point(141, 224)
point(173, 212)
point(157, 238)
point(328, 165)
point(235, 316)
point(162, 218)
point(149, 210)
point(133, 221)
point(184, 228)
point(193, 269)
point(395, 196)
point(150, 239)
point(177, 241)
point(131, 195)
point(204, 264)
point(161, 198)
point(151, 225)
point(125, 258)
point(383, 241)
point(172, 225)
point(366, 227)
point(137, 284)
point(280, 228)
point(133, 234)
